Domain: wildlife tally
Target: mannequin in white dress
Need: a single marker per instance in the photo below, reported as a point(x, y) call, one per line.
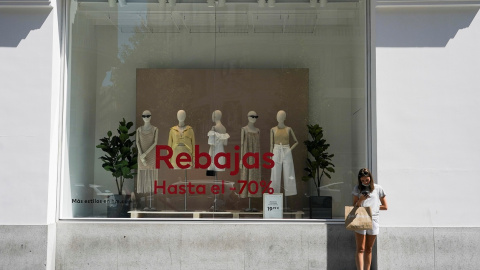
point(217, 139)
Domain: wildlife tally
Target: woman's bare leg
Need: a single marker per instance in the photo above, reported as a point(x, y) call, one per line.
point(360, 249)
point(368, 250)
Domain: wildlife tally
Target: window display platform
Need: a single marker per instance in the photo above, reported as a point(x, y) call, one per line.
point(207, 214)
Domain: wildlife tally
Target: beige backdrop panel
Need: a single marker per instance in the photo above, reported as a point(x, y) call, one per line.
point(235, 92)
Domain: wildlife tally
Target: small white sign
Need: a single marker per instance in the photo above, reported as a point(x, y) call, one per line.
point(273, 205)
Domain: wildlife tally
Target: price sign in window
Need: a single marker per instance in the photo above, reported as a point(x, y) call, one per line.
point(272, 206)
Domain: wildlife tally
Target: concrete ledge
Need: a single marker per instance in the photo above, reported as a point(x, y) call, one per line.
point(405, 248)
point(428, 248)
point(426, 3)
point(203, 246)
point(232, 246)
point(457, 248)
point(150, 245)
point(23, 247)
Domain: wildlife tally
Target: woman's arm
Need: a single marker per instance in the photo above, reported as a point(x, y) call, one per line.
point(384, 205)
point(355, 200)
point(358, 200)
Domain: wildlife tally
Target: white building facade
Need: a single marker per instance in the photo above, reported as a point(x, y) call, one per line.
point(393, 84)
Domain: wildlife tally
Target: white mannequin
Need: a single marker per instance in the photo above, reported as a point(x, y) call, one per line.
point(281, 116)
point(217, 119)
point(250, 127)
point(181, 116)
point(146, 127)
point(251, 122)
point(250, 142)
point(146, 141)
point(181, 139)
point(280, 147)
point(217, 139)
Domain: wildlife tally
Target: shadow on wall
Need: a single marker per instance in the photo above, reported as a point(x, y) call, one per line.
point(16, 24)
point(421, 26)
point(341, 248)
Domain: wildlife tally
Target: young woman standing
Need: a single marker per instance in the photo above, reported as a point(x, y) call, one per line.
point(367, 194)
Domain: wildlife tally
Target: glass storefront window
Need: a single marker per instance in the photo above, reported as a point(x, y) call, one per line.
point(199, 109)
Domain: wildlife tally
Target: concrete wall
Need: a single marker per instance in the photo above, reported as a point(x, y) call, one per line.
point(428, 248)
point(23, 247)
point(203, 246)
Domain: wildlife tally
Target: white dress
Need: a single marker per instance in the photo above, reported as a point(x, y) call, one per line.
point(216, 141)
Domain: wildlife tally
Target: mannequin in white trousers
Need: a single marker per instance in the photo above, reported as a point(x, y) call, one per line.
point(282, 156)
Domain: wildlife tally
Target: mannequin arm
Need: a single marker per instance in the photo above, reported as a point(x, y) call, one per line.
point(193, 147)
point(271, 140)
point(153, 145)
point(141, 155)
point(258, 130)
point(137, 142)
point(294, 139)
point(242, 135)
point(170, 139)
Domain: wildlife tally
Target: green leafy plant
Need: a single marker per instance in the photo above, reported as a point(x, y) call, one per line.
point(120, 154)
point(319, 162)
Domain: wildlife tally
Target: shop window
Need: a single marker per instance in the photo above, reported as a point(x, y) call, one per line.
point(200, 110)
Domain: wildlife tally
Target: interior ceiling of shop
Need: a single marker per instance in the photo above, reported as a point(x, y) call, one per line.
point(233, 18)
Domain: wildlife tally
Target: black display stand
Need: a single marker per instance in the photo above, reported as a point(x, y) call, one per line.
point(320, 207)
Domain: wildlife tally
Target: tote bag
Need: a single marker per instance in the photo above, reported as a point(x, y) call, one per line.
point(358, 218)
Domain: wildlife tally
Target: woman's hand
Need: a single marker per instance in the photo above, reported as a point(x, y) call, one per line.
point(363, 197)
point(357, 201)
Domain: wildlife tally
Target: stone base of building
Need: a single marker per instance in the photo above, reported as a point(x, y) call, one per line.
point(219, 245)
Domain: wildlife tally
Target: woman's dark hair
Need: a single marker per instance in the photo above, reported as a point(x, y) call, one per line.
point(365, 172)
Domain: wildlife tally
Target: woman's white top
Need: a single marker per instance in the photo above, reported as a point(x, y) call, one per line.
point(373, 201)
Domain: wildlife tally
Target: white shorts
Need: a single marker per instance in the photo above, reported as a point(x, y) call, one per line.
point(374, 231)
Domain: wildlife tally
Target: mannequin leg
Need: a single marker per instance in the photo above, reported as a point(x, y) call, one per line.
point(290, 185)
point(276, 172)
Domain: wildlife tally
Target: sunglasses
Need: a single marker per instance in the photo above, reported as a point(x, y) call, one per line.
point(363, 173)
point(146, 116)
point(253, 116)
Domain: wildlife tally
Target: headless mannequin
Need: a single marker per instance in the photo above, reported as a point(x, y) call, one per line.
point(250, 142)
point(146, 140)
point(280, 147)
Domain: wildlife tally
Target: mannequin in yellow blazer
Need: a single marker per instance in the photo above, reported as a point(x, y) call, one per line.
point(181, 139)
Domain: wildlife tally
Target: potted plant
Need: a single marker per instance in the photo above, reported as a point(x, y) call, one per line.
point(319, 164)
point(120, 159)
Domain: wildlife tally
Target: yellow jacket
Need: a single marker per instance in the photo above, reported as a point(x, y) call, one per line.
point(181, 143)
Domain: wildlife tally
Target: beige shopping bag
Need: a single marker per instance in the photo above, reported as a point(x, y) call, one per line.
point(358, 218)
